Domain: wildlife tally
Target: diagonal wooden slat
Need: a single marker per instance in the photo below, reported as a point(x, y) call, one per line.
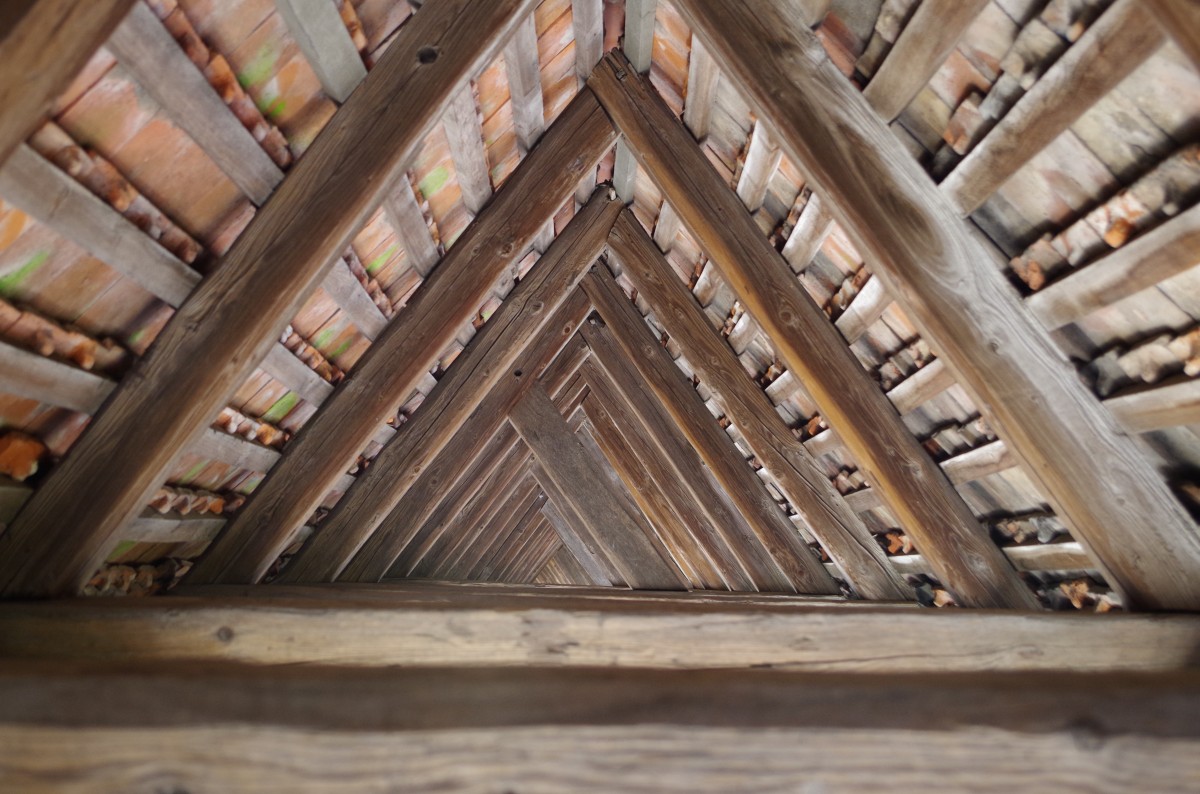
point(776, 557)
point(464, 132)
point(1181, 20)
point(926, 505)
point(610, 522)
point(350, 296)
point(596, 568)
point(762, 159)
point(317, 27)
point(227, 325)
point(43, 45)
point(505, 493)
point(148, 52)
point(525, 85)
point(410, 344)
point(498, 354)
point(505, 530)
point(841, 533)
point(1098, 481)
point(703, 76)
point(638, 44)
point(405, 216)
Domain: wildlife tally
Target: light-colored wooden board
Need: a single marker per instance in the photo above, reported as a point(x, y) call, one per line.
point(317, 27)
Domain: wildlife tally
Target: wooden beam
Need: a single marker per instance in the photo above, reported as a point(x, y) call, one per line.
point(45, 380)
point(464, 132)
point(611, 522)
point(1109, 51)
point(497, 367)
point(152, 527)
point(763, 157)
point(775, 556)
point(1067, 556)
point(571, 529)
point(838, 529)
point(160, 66)
point(666, 228)
point(405, 216)
point(638, 45)
point(43, 46)
point(233, 318)
point(703, 77)
point(812, 228)
point(544, 546)
point(351, 298)
point(567, 569)
point(422, 624)
point(317, 27)
point(927, 40)
point(1158, 407)
point(676, 469)
point(1181, 20)
point(1100, 483)
point(283, 365)
point(503, 529)
point(410, 344)
point(587, 23)
point(929, 509)
point(1156, 256)
point(525, 85)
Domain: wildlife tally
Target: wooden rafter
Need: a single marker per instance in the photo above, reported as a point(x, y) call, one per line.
point(1099, 482)
point(464, 132)
point(915, 491)
point(229, 323)
point(1181, 21)
point(317, 27)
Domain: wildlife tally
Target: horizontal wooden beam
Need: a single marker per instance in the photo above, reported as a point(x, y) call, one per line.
point(43, 46)
point(952, 287)
point(427, 624)
point(227, 325)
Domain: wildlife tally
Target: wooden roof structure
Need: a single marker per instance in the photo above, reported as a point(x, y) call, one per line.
point(532, 396)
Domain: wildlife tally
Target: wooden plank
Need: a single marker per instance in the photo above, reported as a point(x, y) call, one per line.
point(587, 23)
point(464, 132)
point(1102, 486)
point(235, 451)
point(569, 570)
point(152, 527)
point(929, 509)
point(1156, 256)
point(410, 344)
point(38, 187)
point(702, 79)
point(519, 341)
point(230, 321)
point(1108, 52)
point(503, 529)
point(405, 216)
point(762, 160)
point(546, 545)
point(927, 40)
point(614, 525)
point(317, 27)
point(775, 555)
point(638, 45)
point(675, 467)
point(840, 532)
point(351, 298)
point(283, 365)
point(525, 85)
point(417, 624)
point(808, 235)
point(492, 569)
point(485, 537)
point(1157, 408)
point(1039, 557)
point(45, 380)
point(151, 55)
point(1181, 20)
point(43, 46)
point(971, 465)
point(567, 524)
point(666, 228)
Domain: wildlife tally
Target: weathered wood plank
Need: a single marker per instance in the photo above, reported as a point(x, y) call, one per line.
point(504, 530)
point(464, 132)
point(702, 79)
point(410, 344)
point(317, 27)
point(840, 532)
point(1108, 52)
point(525, 85)
point(1162, 406)
point(762, 159)
point(587, 23)
point(929, 509)
point(350, 296)
point(45, 380)
point(43, 45)
point(405, 216)
point(567, 524)
point(1181, 20)
point(1098, 481)
point(638, 45)
point(924, 44)
point(775, 556)
point(1039, 557)
point(231, 320)
point(808, 235)
point(283, 365)
point(1167, 251)
point(151, 527)
point(151, 55)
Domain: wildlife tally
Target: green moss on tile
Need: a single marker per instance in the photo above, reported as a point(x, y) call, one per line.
point(282, 407)
point(382, 259)
point(10, 285)
point(434, 180)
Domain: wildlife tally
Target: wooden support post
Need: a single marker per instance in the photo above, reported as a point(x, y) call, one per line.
point(776, 557)
point(612, 524)
point(409, 345)
point(1099, 482)
point(465, 135)
point(929, 509)
point(148, 52)
point(525, 85)
point(43, 46)
point(840, 532)
point(317, 27)
point(232, 319)
point(924, 44)
point(1109, 51)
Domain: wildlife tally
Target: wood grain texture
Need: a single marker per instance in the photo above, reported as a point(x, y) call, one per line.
point(566, 524)
point(405, 216)
point(808, 235)
point(352, 298)
point(762, 159)
point(317, 27)
point(587, 23)
point(283, 365)
point(611, 522)
point(1181, 21)
point(702, 79)
point(232, 319)
point(1067, 556)
point(414, 624)
point(1099, 483)
point(775, 555)
point(1163, 406)
point(160, 66)
point(927, 40)
point(43, 45)
point(525, 85)
point(464, 132)
point(410, 344)
point(838, 529)
point(917, 493)
point(45, 380)
point(1108, 52)
point(1166, 251)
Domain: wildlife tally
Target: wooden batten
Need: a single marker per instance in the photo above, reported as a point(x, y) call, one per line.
point(317, 27)
point(1099, 482)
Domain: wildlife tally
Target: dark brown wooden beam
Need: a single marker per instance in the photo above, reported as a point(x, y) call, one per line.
point(952, 288)
point(924, 502)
